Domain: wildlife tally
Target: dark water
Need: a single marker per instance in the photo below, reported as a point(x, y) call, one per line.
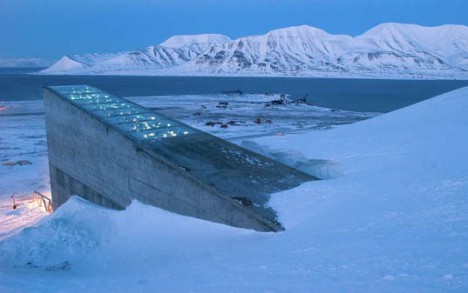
point(350, 94)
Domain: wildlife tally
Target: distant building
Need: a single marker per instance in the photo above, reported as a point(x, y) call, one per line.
point(110, 151)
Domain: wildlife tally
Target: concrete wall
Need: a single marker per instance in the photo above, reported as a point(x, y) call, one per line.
point(97, 162)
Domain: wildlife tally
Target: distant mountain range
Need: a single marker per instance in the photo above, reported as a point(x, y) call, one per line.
point(388, 50)
point(23, 62)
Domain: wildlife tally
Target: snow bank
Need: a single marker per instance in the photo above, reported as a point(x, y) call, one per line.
point(322, 169)
point(65, 234)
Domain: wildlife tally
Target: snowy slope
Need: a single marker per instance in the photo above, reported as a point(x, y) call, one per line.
point(389, 50)
point(197, 43)
point(394, 221)
point(173, 52)
point(415, 48)
point(386, 50)
point(65, 64)
point(288, 50)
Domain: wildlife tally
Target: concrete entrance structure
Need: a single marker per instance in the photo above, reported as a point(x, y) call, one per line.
point(110, 151)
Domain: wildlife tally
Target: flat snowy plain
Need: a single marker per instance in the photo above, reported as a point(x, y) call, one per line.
point(392, 217)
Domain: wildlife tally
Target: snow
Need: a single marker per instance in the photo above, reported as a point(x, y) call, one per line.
point(22, 137)
point(448, 42)
point(195, 40)
point(28, 211)
point(389, 50)
point(173, 52)
point(65, 64)
point(392, 220)
point(242, 111)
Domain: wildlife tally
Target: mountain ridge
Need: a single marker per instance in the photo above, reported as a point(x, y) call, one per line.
point(388, 50)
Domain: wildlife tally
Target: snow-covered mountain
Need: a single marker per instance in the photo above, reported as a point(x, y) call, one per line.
point(387, 50)
point(175, 51)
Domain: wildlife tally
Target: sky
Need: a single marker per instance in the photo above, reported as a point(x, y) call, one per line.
point(49, 29)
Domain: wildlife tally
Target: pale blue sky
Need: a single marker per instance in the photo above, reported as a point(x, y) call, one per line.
point(51, 28)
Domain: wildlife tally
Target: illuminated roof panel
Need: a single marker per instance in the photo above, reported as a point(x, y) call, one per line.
point(131, 118)
point(160, 133)
point(95, 98)
point(135, 120)
point(75, 89)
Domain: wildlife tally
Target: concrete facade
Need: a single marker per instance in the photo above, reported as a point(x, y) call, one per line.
point(175, 167)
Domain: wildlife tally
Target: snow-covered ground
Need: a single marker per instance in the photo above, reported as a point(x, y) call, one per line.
point(22, 138)
point(248, 115)
point(392, 219)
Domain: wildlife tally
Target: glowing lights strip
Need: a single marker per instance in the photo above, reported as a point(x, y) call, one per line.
point(133, 119)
